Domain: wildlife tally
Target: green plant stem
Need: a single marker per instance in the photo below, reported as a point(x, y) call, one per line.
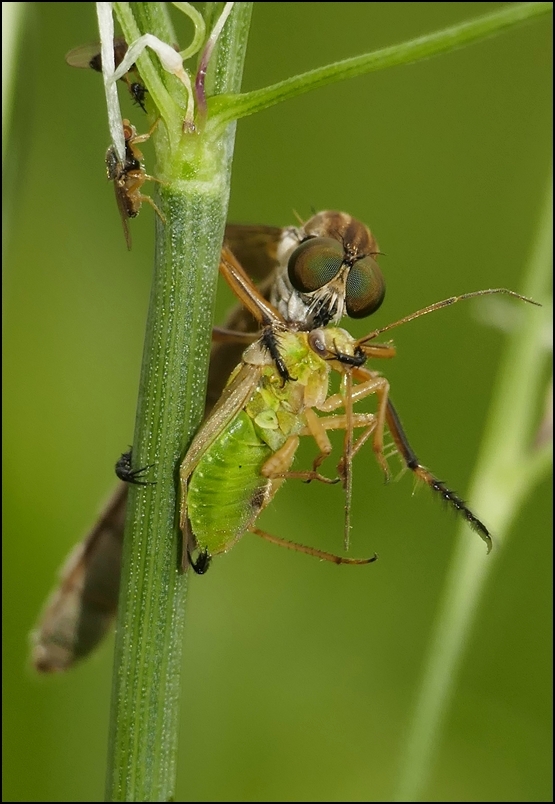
point(225, 108)
point(147, 664)
point(507, 469)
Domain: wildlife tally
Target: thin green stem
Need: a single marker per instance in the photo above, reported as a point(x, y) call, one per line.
point(227, 108)
point(508, 467)
point(193, 200)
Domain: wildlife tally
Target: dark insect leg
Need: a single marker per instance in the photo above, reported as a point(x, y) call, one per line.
point(270, 341)
point(202, 563)
point(439, 486)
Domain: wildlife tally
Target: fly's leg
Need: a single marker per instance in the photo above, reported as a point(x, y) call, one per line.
point(261, 309)
point(223, 335)
point(311, 551)
point(133, 183)
point(412, 462)
point(150, 201)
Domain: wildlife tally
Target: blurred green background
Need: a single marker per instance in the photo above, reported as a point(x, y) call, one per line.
point(299, 676)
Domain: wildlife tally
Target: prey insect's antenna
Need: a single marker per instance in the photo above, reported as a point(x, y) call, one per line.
point(445, 303)
point(348, 456)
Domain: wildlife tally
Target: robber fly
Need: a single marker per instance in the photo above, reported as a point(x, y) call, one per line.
point(313, 275)
point(88, 57)
point(244, 451)
point(129, 177)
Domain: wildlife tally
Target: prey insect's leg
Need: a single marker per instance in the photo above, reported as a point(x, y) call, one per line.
point(311, 551)
point(316, 428)
point(339, 422)
point(371, 383)
point(400, 439)
point(277, 465)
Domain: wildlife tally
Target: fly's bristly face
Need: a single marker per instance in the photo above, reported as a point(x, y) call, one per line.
point(327, 270)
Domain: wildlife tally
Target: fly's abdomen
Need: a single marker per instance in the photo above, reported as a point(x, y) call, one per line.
point(226, 490)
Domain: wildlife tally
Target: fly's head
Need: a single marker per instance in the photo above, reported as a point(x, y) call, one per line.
point(328, 270)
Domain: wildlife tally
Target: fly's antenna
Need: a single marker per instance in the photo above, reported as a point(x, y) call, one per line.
point(445, 303)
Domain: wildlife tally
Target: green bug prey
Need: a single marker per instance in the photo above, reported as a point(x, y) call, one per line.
point(243, 453)
point(279, 392)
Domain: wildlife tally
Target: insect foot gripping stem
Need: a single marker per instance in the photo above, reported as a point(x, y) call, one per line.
point(202, 563)
point(125, 472)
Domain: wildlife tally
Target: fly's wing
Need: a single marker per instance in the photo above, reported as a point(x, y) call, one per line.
point(81, 609)
point(123, 212)
point(72, 623)
point(88, 56)
point(85, 56)
point(255, 247)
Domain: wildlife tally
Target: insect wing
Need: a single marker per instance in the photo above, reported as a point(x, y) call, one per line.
point(88, 56)
point(81, 609)
point(255, 247)
point(123, 211)
point(233, 398)
point(84, 56)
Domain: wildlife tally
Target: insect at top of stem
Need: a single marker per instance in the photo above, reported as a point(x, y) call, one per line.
point(129, 177)
point(88, 57)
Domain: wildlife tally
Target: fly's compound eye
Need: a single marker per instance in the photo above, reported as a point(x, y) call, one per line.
point(315, 263)
point(365, 288)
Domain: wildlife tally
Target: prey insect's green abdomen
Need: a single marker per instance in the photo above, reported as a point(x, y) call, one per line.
point(226, 489)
